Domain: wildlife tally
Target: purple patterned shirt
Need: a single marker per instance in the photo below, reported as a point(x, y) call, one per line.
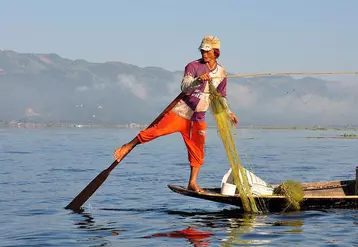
point(196, 101)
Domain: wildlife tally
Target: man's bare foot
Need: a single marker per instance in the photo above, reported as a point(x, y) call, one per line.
point(121, 152)
point(194, 187)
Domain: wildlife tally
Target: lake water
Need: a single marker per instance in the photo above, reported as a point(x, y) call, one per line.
point(42, 170)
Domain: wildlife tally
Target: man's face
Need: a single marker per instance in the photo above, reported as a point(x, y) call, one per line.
point(208, 56)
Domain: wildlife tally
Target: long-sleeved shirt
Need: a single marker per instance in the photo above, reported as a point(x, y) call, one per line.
point(197, 99)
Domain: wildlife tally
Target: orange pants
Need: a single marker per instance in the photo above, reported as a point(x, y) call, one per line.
point(193, 134)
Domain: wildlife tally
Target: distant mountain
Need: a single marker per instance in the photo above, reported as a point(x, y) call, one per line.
point(60, 90)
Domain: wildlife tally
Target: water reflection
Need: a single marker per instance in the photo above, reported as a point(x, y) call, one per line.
point(195, 237)
point(86, 222)
point(234, 223)
point(243, 228)
point(225, 228)
point(239, 228)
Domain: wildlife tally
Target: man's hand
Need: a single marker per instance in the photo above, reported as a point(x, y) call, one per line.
point(234, 119)
point(204, 77)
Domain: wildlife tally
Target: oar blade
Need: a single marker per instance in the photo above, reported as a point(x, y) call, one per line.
point(87, 192)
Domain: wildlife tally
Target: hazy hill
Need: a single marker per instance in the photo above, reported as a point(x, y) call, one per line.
point(49, 88)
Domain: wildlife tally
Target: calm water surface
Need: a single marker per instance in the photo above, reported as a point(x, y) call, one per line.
point(42, 170)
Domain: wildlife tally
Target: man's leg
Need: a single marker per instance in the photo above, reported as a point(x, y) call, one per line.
point(192, 184)
point(194, 139)
point(170, 123)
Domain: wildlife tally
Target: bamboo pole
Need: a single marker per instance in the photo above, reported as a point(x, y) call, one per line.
point(292, 73)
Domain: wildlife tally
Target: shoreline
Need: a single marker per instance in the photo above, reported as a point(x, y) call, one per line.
point(143, 126)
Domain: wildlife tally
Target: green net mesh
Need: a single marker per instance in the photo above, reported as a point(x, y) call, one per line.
point(225, 128)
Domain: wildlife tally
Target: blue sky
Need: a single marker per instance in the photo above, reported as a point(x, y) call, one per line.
point(256, 36)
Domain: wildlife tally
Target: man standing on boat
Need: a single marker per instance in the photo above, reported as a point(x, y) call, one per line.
point(188, 115)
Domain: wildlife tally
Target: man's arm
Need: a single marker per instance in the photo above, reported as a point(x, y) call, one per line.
point(189, 83)
point(190, 80)
point(222, 90)
point(234, 118)
point(226, 105)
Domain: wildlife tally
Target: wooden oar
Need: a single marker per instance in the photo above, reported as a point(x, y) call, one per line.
point(87, 192)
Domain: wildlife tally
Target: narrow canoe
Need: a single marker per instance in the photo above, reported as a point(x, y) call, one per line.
point(317, 196)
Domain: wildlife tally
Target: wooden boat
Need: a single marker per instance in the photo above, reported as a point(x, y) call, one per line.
point(317, 195)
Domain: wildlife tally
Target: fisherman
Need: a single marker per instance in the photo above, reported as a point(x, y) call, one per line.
point(188, 115)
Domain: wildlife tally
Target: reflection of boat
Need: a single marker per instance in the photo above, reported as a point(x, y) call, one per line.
point(317, 195)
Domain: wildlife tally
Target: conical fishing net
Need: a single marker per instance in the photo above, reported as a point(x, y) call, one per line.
point(225, 128)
